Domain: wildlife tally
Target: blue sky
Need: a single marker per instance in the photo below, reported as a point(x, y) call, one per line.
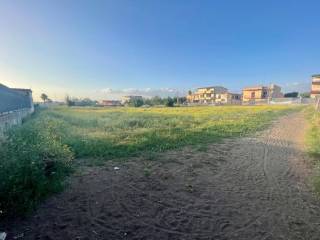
point(104, 49)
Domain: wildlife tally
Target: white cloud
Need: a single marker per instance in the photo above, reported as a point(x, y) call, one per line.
point(106, 90)
point(109, 93)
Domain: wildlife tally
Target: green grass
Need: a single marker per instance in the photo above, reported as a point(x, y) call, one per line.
point(123, 132)
point(313, 143)
point(38, 155)
point(34, 163)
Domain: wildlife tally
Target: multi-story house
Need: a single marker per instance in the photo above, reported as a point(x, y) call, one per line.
point(261, 93)
point(315, 87)
point(213, 95)
point(228, 98)
point(127, 99)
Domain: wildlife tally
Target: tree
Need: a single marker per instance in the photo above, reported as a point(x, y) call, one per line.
point(156, 100)
point(69, 102)
point(86, 102)
point(305, 95)
point(136, 102)
point(189, 92)
point(169, 102)
point(180, 100)
point(44, 97)
point(291, 95)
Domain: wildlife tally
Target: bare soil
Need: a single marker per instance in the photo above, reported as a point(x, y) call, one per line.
point(248, 188)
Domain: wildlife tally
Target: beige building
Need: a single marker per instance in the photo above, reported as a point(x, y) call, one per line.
point(315, 87)
point(127, 99)
point(213, 95)
point(228, 98)
point(261, 93)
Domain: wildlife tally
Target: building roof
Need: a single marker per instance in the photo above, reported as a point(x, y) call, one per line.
point(22, 89)
point(254, 87)
point(316, 75)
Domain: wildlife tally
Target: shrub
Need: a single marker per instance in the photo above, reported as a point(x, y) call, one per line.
point(136, 103)
point(313, 143)
point(34, 163)
point(291, 95)
point(169, 102)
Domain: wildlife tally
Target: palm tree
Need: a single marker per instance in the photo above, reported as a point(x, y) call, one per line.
point(44, 97)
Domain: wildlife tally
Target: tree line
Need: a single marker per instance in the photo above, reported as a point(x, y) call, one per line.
point(157, 101)
point(154, 101)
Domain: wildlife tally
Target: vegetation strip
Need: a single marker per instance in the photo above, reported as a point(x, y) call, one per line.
point(313, 144)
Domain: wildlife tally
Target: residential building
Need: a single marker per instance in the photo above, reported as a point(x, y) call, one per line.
point(27, 93)
point(127, 99)
point(275, 91)
point(315, 87)
point(12, 99)
point(260, 93)
point(15, 105)
point(206, 95)
point(228, 98)
point(110, 103)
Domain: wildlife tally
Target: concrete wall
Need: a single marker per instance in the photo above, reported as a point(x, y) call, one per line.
point(9, 119)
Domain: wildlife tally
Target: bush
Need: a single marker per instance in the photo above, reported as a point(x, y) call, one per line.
point(169, 102)
point(136, 103)
point(34, 163)
point(291, 95)
point(313, 143)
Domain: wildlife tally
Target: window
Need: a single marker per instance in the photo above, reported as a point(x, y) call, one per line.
point(253, 94)
point(264, 94)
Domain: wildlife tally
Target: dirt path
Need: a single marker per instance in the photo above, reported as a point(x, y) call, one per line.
point(249, 188)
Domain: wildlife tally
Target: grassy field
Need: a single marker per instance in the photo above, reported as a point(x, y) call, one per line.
point(313, 143)
point(122, 132)
point(38, 155)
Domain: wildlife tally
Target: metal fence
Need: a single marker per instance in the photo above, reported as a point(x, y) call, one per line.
point(272, 101)
point(291, 101)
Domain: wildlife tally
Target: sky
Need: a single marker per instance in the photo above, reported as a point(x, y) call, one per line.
point(106, 49)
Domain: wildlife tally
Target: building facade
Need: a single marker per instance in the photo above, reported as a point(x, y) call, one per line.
point(210, 95)
point(315, 86)
point(12, 99)
point(127, 99)
point(15, 104)
point(257, 94)
point(228, 98)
